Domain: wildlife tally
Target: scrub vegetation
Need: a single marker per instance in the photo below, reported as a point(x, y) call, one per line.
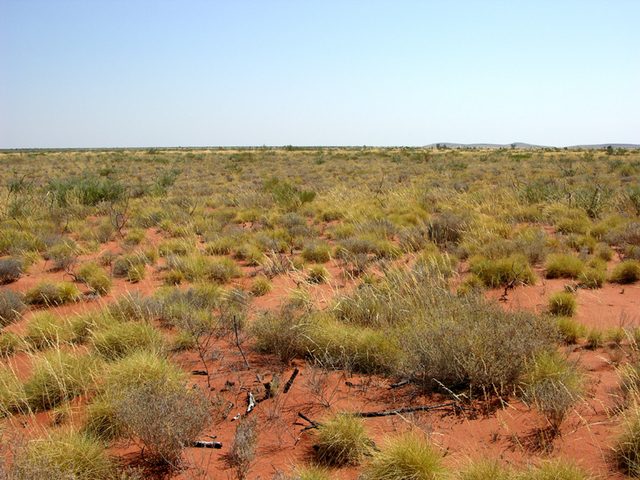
point(389, 258)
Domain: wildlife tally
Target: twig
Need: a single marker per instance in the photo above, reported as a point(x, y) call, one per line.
point(287, 386)
point(408, 410)
point(235, 328)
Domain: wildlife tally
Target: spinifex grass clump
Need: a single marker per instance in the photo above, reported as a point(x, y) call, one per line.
point(503, 271)
point(564, 265)
point(57, 377)
point(563, 303)
point(407, 456)
point(626, 272)
point(627, 448)
point(51, 293)
point(120, 339)
point(95, 277)
point(63, 455)
point(47, 330)
point(554, 385)
point(341, 440)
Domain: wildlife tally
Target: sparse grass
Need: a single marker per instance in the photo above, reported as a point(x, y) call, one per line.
point(243, 450)
point(406, 456)
point(627, 447)
point(595, 338)
point(341, 440)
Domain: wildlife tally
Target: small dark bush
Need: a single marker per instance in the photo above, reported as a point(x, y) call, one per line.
point(11, 305)
point(10, 270)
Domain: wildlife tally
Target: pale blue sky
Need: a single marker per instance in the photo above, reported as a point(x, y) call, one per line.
point(133, 73)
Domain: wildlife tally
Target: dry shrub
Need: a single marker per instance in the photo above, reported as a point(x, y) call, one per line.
point(11, 269)
point(11, 306)
point(163, 419)
point(243, 449)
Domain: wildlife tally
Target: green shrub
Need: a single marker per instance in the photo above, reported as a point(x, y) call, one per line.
point(88, 190)
point(626, 272)
point(407, 456)
point(553, 385)
point(95, 277)
point(11, 306)
point(496, 273)
point(564, 265)
point(57, 377)
point(563, 303)
point(50, 293)
point(341, 440)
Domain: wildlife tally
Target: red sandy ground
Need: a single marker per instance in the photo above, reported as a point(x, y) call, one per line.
point(509, 431)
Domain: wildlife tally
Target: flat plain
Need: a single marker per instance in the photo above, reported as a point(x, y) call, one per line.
point(314, 313)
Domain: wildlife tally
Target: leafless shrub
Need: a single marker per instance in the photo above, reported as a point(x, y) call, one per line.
point(163, 419)
point(10, 270)
point(243, 449)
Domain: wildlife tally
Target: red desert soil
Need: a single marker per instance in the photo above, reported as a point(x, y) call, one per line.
point(509, 431)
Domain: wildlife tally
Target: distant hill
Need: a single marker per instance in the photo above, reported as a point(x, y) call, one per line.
point(528, 145)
